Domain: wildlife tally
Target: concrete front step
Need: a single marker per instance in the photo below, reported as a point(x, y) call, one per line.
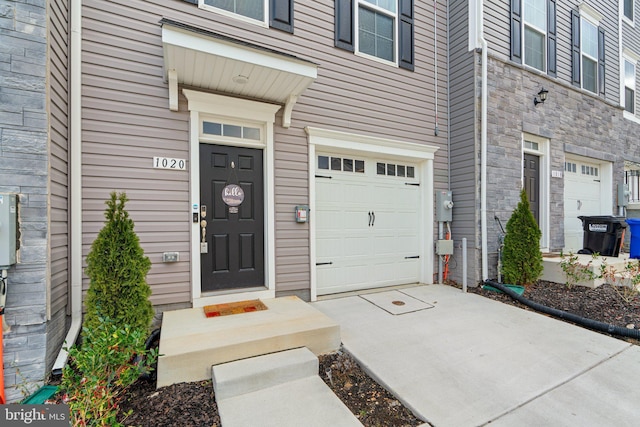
point(190, 343)
point(552, 270)
point(256, 373)
point(280, 389)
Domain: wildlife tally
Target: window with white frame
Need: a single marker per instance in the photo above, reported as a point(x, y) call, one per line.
point(589, 55)
point(629, 86)
point(628, 9)
point(253, 9)
point(535, 33)
point(376, 23)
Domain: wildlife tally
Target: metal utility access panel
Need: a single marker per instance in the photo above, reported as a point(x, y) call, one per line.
point(8, 229)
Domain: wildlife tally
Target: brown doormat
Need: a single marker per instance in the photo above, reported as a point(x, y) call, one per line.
point(234, 308)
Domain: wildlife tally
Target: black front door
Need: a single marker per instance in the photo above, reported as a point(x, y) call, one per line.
point(532, 183)
point(233, 256)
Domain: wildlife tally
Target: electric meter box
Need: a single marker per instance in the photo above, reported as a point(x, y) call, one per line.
point(444, 206)
point(8, 229)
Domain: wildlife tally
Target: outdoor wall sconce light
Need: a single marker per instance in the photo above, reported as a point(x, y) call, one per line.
point(543, 97)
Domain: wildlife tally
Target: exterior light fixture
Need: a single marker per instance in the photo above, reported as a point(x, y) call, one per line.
point(543, 97)
point(240, 79)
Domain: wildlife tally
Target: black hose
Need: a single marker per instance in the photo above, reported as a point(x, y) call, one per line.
point(582, 321)
point(151, 342)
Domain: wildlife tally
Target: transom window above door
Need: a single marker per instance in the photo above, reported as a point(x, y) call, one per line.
point(230, 130)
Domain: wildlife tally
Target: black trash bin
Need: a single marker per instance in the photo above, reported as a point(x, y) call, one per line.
point(602, 234)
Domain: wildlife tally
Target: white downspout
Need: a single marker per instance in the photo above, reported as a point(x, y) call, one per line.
point(483, 145)
point(75, 172)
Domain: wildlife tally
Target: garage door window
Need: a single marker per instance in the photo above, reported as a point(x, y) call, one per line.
point(340, 164)
point(570, 167)
point(589, 170)
point(391, 169)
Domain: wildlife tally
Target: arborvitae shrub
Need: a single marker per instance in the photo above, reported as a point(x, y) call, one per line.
point(521, 257)
point(117, 270)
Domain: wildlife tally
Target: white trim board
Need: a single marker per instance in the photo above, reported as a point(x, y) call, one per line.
point(344, 142)
point(223, 107)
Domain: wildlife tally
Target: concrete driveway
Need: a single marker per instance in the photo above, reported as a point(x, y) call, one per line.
point(460, 359)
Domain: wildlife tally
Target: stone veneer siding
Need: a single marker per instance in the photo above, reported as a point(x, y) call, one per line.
point(573, 120)
point(24, 171)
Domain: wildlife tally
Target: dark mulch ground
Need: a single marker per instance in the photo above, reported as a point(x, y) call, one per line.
point(605, 303)
point(193, 404)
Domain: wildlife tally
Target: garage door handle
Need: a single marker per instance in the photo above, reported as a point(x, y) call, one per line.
point(324, 263)
point(412, 257)
point(369, 218)
point(412, 183)
point(322, 176)
point(374, 218)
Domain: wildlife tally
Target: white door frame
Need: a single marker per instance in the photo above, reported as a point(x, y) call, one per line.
point(257, 114)
point(349, 143)
point(545, 183)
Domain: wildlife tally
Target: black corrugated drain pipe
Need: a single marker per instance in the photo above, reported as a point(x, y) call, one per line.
point(582, 321)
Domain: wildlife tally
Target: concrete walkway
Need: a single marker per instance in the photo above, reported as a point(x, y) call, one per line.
point(461, 360)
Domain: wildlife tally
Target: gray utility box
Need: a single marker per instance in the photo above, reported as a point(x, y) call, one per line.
point(8, 229)
point(444, 206)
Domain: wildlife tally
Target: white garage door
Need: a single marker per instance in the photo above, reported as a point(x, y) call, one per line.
point(582, 196)
point(367, 223)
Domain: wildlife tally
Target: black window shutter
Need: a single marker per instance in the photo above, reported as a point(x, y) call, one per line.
point(575, 47)
point(516, 31)
point(192, 1)
point(601, 66)
point(551, 38)
point(405, 57)
point(281, 15)
point(344, 24)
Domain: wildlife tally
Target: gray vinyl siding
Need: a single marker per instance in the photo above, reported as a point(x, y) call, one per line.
point(126, 121)
point(58, 155)
point(464, 161)
point(497, 34)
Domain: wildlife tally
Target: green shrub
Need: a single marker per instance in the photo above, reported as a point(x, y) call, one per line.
point(111, 358)
point(117, 269)
point(521, 257)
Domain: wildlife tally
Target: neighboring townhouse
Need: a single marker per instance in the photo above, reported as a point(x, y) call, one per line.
point(268, 148)
point(34, 166)
point(629, 70)
point(570, 151)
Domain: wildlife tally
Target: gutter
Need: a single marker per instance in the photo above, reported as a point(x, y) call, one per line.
point(75, 183)
point(483, 146)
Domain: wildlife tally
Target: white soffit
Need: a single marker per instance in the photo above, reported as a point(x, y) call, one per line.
point(203, 59)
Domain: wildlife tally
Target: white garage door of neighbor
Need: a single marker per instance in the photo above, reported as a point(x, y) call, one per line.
point(367, 223)
point(582, 196)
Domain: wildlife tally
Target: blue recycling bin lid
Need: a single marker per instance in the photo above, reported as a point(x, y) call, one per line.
point(633, 221)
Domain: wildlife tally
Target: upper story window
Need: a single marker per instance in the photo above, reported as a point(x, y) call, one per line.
point(627, 9)
point(254, 9)
point(533, 34)
point(629, 86)
point(381, 29)
point(589, 52)
point(587, 45)
point(273, 13)
point(377, 28)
